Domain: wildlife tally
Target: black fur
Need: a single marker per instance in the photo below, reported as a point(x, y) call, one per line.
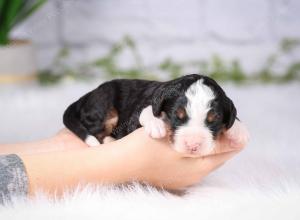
point(129, 97)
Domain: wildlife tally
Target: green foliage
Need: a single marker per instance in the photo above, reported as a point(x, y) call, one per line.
point(62, 70)
point(237, 73)
point(288, 44)
point(218, 69)
point(47, 77)
point(12, 12)
point(108, 64)
point(170, 66)
point(292, 73)
point(215, 67)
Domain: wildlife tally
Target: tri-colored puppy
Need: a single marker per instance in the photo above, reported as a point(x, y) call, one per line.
point(191, 110)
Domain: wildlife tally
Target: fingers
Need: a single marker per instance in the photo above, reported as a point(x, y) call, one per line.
point(195, 169)
point(212, 162)
point(223, 145)
point(236, 138)
point(238, 134)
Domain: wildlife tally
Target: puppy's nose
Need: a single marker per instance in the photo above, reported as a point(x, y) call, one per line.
point(193, 146)
point(193, 149)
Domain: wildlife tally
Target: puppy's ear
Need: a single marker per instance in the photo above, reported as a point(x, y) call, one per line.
point(158, 101)
point(165, 96)
point(229, 113)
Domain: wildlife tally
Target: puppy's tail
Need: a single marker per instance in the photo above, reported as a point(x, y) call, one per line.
point(71, 119)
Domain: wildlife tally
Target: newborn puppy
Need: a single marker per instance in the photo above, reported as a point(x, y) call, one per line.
point(191, 110)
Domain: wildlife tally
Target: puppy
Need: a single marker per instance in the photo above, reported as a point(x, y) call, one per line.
point(191, 110)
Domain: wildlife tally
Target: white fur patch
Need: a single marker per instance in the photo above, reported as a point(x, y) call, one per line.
point(194, 137)
point(199, 97)
point(91, 141)
point(154, 127)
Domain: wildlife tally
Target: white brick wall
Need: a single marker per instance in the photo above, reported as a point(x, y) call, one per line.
point(247, 30)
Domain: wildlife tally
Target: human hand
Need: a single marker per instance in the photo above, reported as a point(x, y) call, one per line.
point(145, 159)
point(155, 162)
point(64, 161)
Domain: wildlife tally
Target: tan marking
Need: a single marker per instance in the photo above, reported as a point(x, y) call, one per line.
point(110, 123)
point(111, 120)
point(181, 113)
point(212, 116)
point(169, 132)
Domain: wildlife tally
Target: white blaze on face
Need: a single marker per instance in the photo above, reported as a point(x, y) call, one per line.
point(194, 137)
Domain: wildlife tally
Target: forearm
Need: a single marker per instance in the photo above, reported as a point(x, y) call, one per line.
point(91, 165)
point(45, 145)
point(63, 141)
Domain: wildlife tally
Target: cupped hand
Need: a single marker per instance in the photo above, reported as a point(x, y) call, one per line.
point(155, 162)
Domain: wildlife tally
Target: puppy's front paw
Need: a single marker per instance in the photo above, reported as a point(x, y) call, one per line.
point(155, 128)
point(238, 135)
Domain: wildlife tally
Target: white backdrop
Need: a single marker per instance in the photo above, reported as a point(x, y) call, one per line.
point(248, 30)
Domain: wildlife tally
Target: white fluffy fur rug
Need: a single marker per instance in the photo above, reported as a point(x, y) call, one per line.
point(263, 182)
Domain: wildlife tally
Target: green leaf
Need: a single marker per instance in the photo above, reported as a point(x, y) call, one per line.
point(237, 73)
point(64, 52)
point(28, 10)
point(292, 73)
point(129, 42)
point(1, 6)
point(174, 69)
point(288, 44)
point(10, 10)
point(218, 69)
point(14, 11)
point(46, 77)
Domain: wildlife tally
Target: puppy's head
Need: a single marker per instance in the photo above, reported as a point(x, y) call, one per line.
point(197, 110)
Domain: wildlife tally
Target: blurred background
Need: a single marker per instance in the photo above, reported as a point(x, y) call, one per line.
point(57, 50)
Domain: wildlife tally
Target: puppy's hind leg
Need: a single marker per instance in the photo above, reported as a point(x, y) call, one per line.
point(100, 125)
point(95, 112)
point(71, 120)
point(108, 139)
point(92, 141)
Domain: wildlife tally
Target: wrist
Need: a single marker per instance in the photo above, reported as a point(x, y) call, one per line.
point(68, 141)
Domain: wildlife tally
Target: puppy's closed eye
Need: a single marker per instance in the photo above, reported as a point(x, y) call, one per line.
point(212, 116)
